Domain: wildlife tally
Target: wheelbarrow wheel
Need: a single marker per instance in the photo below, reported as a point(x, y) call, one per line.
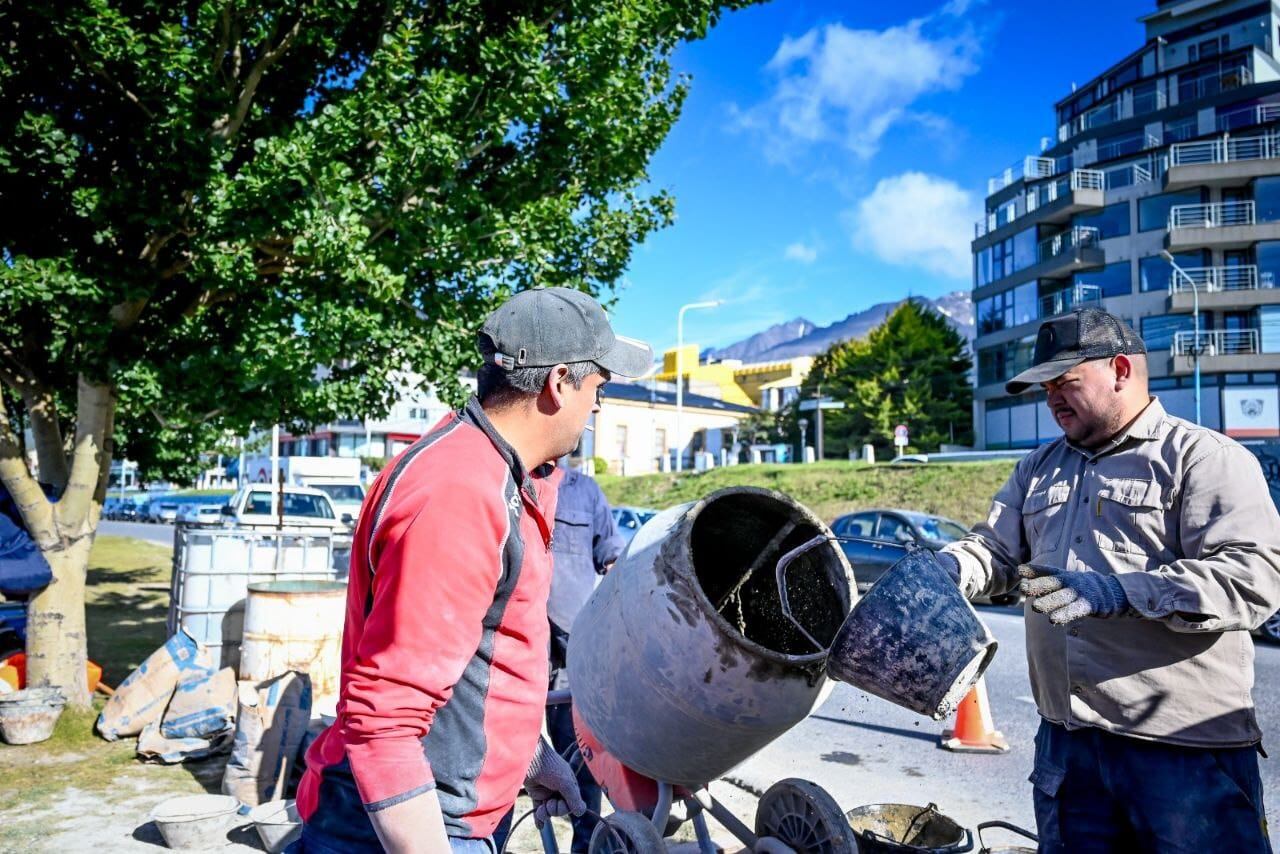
point(803, 816)
point(625, 833)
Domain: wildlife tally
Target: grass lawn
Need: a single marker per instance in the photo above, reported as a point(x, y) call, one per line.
point(127, 599)
point(962, 491)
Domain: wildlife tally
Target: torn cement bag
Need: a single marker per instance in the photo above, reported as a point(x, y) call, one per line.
point(270, 724)
point(203, 704)
point(154, 747)
point(142, 697)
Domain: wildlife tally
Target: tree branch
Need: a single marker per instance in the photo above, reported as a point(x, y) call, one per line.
point(102, 72)
point(37, 512)
point(227, 126)
point(42, 409)
point(95, 406)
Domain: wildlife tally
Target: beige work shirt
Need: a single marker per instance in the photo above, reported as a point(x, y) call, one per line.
point(1182, 515)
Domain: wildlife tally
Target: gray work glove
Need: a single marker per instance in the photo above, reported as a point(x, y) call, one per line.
point(1070, 596)
point(552, 786)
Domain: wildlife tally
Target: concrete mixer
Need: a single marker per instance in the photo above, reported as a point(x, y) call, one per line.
point(710, 638)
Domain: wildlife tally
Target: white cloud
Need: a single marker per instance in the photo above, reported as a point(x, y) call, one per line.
point(850, 86)
point(917, 220)
point(801, 252)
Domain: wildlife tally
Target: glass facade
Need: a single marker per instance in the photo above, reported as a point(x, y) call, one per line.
point(1111, 221)
point(1267, 255)
point(1266, 196)
point(999, 363)
point(1114, 279)
point(1154, 272)
point(1005, 257)
point(1153, 211)
point(1158, 329)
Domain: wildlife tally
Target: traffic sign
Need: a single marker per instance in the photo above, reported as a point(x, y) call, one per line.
point(900, 435)
point(827, 403)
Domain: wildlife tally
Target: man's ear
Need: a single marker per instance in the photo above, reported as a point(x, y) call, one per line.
point(556, 386)
point(1123, 367)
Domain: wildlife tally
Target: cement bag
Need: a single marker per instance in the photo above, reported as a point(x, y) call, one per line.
point(270, 724)
point(203, 705)
point(154, 747)
point(141, 699)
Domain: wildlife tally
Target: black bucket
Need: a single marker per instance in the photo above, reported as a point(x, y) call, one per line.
point(913, 639)
point(897, 828)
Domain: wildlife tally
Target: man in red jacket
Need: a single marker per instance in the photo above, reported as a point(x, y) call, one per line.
point(444, 654)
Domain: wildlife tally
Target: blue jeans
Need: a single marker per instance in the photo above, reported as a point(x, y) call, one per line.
point(1099, 792)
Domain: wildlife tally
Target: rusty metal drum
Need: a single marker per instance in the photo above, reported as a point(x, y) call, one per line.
point(682, 664)
point(295, 625)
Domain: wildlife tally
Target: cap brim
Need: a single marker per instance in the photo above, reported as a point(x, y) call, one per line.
point(627, 358)
point(1041, 373)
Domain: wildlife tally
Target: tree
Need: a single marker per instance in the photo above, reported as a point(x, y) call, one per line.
point(224, 213)
point(913, 369)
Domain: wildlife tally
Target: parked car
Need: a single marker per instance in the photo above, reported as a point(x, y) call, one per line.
point(631, 519)
point(883, 535)
point(126, 512)
point(165, 512)
point(303, 507)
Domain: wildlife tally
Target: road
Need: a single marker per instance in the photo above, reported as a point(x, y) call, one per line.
point(865, 750)
point(162, 534)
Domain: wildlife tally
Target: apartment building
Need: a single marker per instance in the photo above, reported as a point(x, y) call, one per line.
point(1175, 148)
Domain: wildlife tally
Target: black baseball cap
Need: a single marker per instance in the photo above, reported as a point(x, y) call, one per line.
point(544, 327)
point(1064, 342)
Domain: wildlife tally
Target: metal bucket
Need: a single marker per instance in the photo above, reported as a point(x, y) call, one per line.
point(1006, 849)
point(29, 716)
point(295, 625)
point(195, 822)
point(913, 639)
point(896, 828)
point(682, 664)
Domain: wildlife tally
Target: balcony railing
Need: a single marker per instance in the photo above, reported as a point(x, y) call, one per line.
point(1216, 342)
point(1223, 81)
point(1068, 240)
point(1225, 149)
point(1122, 106)
point(1213, 279)
point(1050, 191)
point(1069, 300)
point(1029, 169)
point(1258, 114)
point(1214, 215)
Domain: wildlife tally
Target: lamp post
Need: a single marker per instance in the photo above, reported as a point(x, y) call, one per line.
point(1195, 313)
point(680, 374)
point(804, 437)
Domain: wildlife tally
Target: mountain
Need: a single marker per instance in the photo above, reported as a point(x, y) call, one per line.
point(799, 337)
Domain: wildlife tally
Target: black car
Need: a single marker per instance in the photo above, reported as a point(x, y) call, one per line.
point(881, 538)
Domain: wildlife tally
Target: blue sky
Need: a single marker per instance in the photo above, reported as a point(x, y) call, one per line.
point(835, 155)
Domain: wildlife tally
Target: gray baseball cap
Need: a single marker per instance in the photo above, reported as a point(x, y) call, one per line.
point(1064, 342)
point(544, 327)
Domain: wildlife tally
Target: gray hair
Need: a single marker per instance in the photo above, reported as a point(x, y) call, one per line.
point(499, 387)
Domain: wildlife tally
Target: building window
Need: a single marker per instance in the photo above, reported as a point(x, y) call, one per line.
point(1114, 279)
point(1154, 272)
point(1158, 329)
point(659, 447)
point(1006, 257)
point(999, 363)
point(995, 313)
point(1111, 221)
point(620, 442)
point(1180, 130)
point(1267, 254)
point(1266, 198)
point(1118, 145)
point(1153, 211)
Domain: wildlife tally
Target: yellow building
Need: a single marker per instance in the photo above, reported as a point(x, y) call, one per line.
point(765, 385)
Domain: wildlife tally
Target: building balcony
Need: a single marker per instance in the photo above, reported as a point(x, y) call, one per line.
point(1220, 350)
point(1029, 169)
point(1125, 105)
point(1069, 300)
point(1221, 288)
point(1257, 114)
point(1221, 225)
point(1224, 161)
point(1074, 249)
point(1051, 201)
point(1205, 87)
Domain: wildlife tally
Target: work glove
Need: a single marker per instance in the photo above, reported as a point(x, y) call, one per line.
point(552, 786)
point(949, 563)
point(1070, 596)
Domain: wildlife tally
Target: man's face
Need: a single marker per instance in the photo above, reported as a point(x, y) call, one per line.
point(578, 407)
point(1086, 403)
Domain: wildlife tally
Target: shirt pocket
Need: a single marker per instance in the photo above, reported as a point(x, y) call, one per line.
point(573, 533)
point(1129, 515)
point(1040, 509)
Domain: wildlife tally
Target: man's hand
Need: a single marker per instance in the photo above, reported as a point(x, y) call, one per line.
point(1070, 596)
point(552, 786)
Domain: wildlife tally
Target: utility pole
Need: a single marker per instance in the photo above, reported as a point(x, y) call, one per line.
point(818, 425)
point(1195, 313)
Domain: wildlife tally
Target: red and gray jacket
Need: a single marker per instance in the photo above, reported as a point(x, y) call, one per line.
point(444, 653)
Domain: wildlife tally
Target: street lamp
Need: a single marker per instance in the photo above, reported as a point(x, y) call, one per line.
point(1195, 313)
point(804, 437)
point(680, 373)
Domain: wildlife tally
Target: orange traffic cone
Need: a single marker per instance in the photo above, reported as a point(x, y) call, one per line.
point(974, 730)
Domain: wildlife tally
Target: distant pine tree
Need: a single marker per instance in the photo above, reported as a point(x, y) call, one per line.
point(913, 369)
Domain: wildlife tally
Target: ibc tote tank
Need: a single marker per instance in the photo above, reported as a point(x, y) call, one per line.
point(681, 673)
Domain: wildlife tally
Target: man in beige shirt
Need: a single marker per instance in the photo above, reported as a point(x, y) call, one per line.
point(1148, 548)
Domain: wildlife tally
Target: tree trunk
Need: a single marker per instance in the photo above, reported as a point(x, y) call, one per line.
point(56, 636)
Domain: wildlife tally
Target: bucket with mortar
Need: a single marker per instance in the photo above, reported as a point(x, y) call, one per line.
point(682, 663)
point(912, 639)
point(902, 828)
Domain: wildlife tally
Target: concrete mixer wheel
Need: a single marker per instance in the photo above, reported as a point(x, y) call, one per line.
point(803, 816)
point(625, 833)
